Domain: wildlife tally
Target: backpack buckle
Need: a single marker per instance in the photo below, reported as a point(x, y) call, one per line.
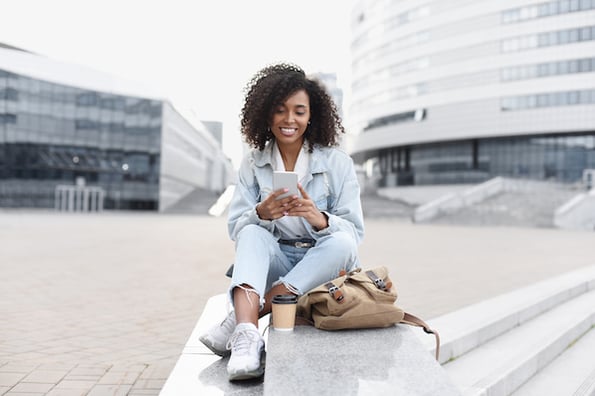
point(335, 292)
point(379, 282)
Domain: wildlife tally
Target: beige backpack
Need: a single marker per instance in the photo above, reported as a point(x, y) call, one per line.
point(356, 300)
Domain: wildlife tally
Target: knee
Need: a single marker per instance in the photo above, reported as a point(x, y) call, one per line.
point(342, 243)
point(253, 232)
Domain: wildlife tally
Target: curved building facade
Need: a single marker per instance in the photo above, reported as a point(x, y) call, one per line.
point(458, 91)
point(62, 125)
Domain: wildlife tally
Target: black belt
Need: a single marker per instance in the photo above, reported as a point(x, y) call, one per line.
point(298, 243)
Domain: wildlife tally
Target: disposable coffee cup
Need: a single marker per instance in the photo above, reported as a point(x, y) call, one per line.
point(284, 307)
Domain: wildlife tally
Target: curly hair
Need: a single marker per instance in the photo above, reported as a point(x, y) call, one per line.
point(269, 88)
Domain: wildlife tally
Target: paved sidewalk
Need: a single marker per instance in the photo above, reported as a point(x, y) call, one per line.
point(103, 304)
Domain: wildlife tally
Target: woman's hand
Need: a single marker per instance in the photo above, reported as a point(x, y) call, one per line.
point(273, 208)
point(305, 207)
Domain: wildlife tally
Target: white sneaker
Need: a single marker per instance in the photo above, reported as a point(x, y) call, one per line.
point(217, 337)
point(247, 353)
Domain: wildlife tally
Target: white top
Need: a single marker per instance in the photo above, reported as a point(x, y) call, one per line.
point(292, 227)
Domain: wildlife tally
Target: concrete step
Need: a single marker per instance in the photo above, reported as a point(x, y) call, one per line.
point(499, 366)
point(571, 373)
point(463, 330)
point(493, 347)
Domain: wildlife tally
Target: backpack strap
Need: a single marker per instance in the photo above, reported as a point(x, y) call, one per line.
point(378, 281)
point(335, 292)
point(415, 321)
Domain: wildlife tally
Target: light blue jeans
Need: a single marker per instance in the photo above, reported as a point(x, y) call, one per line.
point(261, 262)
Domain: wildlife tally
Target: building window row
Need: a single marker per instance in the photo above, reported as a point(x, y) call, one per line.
point(8, 93)
point(52, 126)
point(552, 99)
point(548, 39)
point(392, 47)
point(44, 162)
point(391, 95)
point(16, 88)
point(8, 118)
point(560, 158)
point(391, 72)
point(548, 69)
point(408, 116)
point(546, 9)
point(381, 29)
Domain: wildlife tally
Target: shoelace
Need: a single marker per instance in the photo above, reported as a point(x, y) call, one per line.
point(229, 323)
point(240, 341)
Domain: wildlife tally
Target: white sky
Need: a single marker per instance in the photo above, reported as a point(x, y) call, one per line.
point(200, 53)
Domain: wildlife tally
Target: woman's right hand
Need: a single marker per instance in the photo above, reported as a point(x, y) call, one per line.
point(272, 208)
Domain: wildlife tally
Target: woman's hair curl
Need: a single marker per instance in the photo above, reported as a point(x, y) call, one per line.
point(269, 88)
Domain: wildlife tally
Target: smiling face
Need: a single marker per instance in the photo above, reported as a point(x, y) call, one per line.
point(290, 120)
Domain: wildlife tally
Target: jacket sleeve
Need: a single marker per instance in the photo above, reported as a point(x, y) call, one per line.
point(242, 208)
point(345, 213)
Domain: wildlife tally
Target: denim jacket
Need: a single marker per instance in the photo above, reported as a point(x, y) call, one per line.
point(331, 183)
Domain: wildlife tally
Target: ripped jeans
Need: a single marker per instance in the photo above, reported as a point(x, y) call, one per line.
point(261, 262)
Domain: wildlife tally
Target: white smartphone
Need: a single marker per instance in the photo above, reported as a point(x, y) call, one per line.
point(287, 180)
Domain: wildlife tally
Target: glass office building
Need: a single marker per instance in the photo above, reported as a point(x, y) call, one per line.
point(60, 124)
point(448, 92)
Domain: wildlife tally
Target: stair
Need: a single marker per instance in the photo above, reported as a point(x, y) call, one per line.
point(513, 343)
point(519, 208)
point(572, 373)
point(197, 201)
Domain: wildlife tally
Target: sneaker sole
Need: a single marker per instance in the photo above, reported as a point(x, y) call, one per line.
point(247, 375)
point(213, 349)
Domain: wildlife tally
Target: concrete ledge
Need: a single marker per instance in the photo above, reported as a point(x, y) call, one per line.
point(388, 361)
point(309, 361)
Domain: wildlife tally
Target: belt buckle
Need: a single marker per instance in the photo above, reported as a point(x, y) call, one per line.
point(299, 244)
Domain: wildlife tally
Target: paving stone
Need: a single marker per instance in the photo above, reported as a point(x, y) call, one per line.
point(149, 384)
point(110, 390)
point(143, 392)
point(66, 367)
point(30, 387)
point(119, 378)
point(67, 392)
point(67, 384)
point(10, 379)
point(18, 367)
point(45, 376)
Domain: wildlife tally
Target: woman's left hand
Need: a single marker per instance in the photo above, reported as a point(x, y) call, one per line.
point(305, 207)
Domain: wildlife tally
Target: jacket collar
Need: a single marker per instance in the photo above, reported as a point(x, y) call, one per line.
point(318, 163)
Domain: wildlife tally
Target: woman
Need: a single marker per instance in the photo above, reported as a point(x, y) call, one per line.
point(293, 244)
